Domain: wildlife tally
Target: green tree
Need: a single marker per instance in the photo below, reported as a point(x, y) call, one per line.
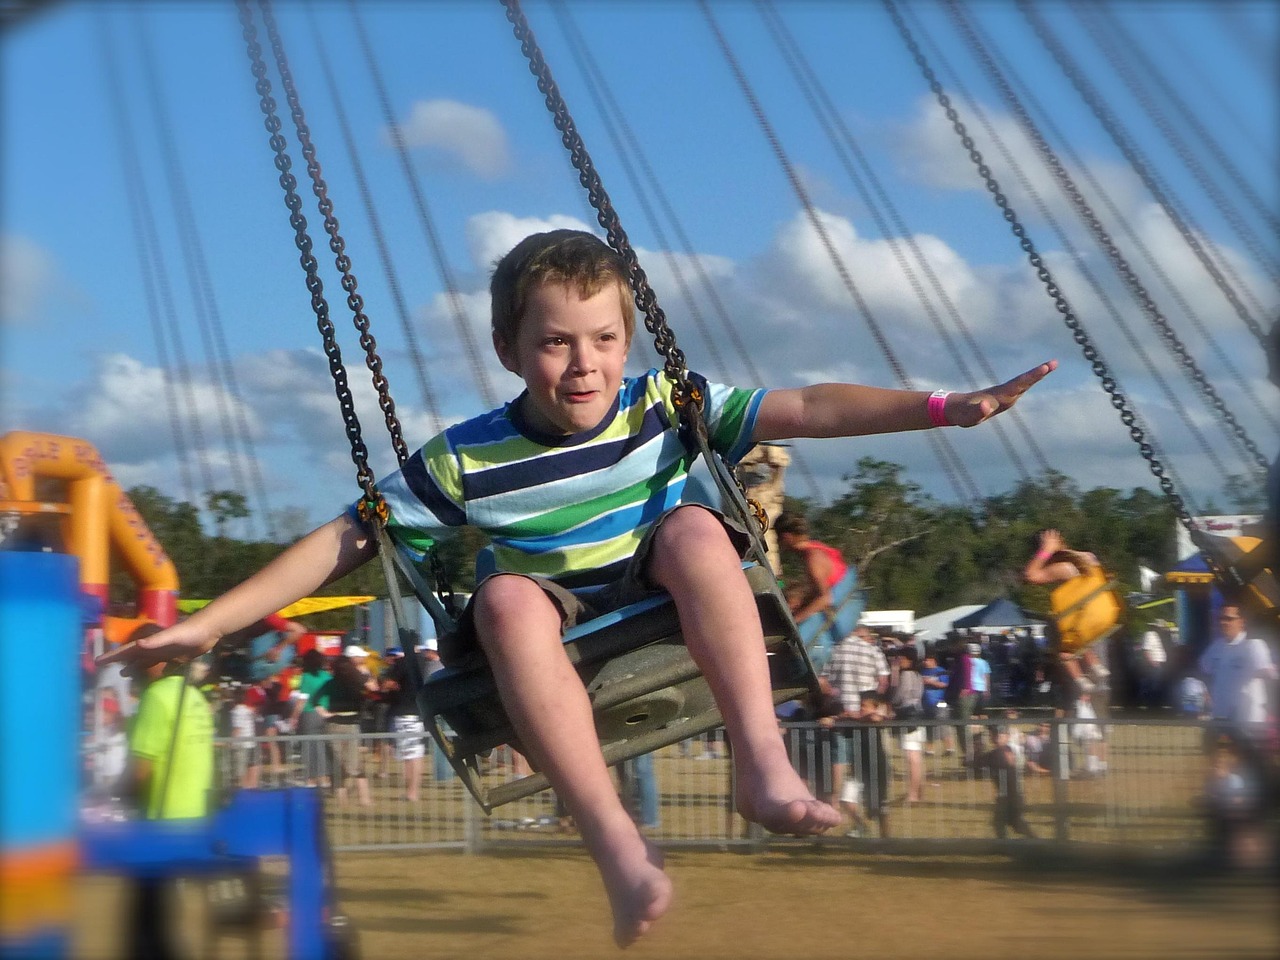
point(881, 513)
point(225, 505)
point(1245, 493)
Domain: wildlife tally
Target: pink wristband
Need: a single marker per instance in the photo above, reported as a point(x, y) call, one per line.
point(937, 407)
point(1043, 554)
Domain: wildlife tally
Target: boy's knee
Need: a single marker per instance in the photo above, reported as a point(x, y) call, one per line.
point(691, 522)
point(506, 596)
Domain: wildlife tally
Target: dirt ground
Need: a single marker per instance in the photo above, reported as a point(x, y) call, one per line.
point(804, 901)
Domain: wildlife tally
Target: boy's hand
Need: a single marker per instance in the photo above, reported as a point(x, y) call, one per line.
point(181, 642)
point(971, 409)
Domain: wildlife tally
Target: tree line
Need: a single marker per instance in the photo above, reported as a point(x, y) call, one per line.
point(911, 551)
point(915, 553)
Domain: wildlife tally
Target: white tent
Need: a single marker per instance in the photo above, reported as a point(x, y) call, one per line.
point(935, 626)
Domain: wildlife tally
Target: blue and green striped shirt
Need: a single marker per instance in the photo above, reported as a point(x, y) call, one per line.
point(571, 508)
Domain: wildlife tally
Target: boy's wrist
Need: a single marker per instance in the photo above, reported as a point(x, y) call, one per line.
point(936, 406)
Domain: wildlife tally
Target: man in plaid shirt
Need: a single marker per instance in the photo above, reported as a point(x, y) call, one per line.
point(857, 664)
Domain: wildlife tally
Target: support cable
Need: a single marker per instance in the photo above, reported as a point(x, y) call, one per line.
point(1176, 52)
point(847, 151)
point(951, 464)
point(227, 393)
point(168, 308)
point(142, 222)
point(1116, 258)
point(461, 321)
point(1118, 48)
point(641, 176)
point(1091, 353)
point(1081, 264)
point(1047, 122)
point(1188, 231)
point(425, 384)
point(1257, 46)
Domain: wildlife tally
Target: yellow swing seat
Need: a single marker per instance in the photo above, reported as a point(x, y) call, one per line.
point(1248, 563)
point(1085, 609)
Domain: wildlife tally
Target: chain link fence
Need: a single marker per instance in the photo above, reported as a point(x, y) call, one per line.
point(1131, 782)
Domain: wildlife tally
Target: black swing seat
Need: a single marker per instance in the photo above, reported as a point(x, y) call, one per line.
point(645, 690)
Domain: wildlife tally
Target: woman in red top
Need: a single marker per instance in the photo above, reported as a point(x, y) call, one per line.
point(824, 565)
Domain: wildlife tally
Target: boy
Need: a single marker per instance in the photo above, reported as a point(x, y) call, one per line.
point(578, 484)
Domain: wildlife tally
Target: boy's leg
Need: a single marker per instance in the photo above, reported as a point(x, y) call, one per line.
point(519, 628)
point(695, 561)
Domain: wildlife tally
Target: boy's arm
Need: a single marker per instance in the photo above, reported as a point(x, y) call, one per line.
point(853, 410)
point(322, 556)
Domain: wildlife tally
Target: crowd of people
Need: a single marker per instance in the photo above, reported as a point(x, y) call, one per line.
point(980, 694)
point(327, 706)
point(956, 686)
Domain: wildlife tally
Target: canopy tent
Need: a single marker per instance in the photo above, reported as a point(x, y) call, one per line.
point(935, 625)
point(1001, 612)
point(1193, 569)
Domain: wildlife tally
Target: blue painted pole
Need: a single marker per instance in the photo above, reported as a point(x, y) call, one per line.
point(40, 612)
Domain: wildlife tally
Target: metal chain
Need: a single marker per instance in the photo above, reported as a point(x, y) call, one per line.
point(373, 507)
point(336, 243)
point(1090, 352)
point(283, 163)
point(655, 321)
point(1131, 153)
point(1104, 240)
point(686, 395)
point(1120, 55)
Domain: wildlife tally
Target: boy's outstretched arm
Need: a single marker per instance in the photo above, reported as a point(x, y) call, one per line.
point(322, 556)
point(852, 410)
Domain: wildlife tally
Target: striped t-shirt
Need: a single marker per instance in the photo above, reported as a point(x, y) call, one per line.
point(571, 508)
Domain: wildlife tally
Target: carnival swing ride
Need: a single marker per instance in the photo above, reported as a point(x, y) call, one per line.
point(645, 690)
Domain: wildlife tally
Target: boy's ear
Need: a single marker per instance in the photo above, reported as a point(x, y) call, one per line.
point(506, 354)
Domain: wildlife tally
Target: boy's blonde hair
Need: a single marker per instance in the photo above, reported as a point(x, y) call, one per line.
point(577, 259)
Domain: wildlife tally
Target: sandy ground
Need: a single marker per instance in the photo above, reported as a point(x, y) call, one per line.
point(806, 902)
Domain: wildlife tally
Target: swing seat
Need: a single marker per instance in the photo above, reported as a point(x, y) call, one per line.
point(820, 632)
point(1085, 610)
point(645, 690)
point(1247, 563)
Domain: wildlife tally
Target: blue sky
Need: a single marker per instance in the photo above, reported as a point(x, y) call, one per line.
point(76, 329)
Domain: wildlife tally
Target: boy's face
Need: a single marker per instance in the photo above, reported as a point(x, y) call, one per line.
point(570, 353)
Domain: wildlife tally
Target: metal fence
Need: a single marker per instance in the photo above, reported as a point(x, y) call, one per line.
point(1134, 782)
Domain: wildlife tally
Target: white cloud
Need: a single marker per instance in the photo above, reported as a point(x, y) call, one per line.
point(27, 280)
point(471, 135)
point(126, 410)
point(490, 235)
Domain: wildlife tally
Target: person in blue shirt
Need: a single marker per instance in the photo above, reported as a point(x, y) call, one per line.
point(934, 701)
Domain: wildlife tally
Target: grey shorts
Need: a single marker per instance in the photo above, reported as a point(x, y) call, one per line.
point(461, 648)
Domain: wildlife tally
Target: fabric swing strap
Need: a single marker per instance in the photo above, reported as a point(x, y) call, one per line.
point(387, 554)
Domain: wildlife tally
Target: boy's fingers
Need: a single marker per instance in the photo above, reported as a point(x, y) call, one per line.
point(1008, 393)
point(1033, 376)
point(123, 652)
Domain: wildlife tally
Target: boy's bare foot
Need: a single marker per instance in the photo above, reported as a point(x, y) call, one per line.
point(639, 892)
point(784, 804)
